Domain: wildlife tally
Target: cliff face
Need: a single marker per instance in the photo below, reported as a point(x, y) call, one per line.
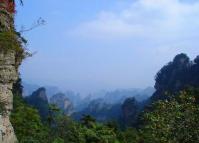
point(8, 75)
point(39, 100)
point(61, 101)
point(10, 50)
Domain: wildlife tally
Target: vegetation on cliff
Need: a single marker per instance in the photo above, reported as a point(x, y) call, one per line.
point(10, 39)
point(177, 75)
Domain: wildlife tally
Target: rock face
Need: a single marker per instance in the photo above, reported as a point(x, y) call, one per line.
point(39, 100)
point(61, 101)
point(9, 64)
point(8, 75)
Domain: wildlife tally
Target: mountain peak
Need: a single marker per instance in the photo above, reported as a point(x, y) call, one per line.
point(40, 93)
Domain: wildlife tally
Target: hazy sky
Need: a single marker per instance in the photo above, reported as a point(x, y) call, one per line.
point(89, 45)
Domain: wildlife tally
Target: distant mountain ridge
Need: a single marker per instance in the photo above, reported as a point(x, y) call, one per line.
point(102, 105)
point(118, 96)
point(28, 89)
point(100, 110)
point(113, 105)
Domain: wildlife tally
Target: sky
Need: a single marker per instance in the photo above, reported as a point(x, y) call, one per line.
point(89, 45)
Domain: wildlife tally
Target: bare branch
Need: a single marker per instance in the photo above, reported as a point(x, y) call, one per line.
point(38, 23)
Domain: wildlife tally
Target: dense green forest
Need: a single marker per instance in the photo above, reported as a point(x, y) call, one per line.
point(171, 118)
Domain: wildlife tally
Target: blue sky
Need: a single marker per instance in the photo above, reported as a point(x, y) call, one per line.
point(106, 44)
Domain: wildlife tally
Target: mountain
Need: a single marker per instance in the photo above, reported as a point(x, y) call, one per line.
point(119, 96)
point(110, 105)
point(83, 103)
point(38, 99)
point(100, 110)
point(130, 112)
point(28, 89)
point(51, 90)
point(61, 101)
point(181, 73)
point(177, 75)
point(78, 102)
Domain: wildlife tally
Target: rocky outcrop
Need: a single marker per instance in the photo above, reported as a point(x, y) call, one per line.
point(39, 100)
point(61, 101)
point(10, 52)
point(8, 75)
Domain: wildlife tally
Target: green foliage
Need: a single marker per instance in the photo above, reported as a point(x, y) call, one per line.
point(96, 132)
point(174, 121)
point(53, 113)
point(130, 135)
point(177, 75)
point(39, 100)
point(13, 41)
point(9, 40)
point(130, 109)
point(58, 140)
point(17, 89)
point(27, 123)
point(88, 131)
point(66, 129)
point(169, 121)
point(88, 121)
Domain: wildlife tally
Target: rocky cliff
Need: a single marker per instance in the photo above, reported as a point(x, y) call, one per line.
point(61, 101)
point(38, 99)
point(9, 63)
point(8, 75)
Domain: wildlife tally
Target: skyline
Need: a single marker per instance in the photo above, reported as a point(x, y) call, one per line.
point(106, 45)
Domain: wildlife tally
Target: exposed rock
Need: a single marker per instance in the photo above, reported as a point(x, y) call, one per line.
point(9, 64)
point(8, 75)
point(61, 101)
point(39, 100)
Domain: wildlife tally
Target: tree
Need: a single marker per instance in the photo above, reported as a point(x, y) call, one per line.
point(179, 74)
point(130, 110)
point(174, 120)
point(88, 121)
point(27, 123)
point(53, 112)
point(17, 89)
point(58, 140)
point(130, 135)
point(66, 129)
